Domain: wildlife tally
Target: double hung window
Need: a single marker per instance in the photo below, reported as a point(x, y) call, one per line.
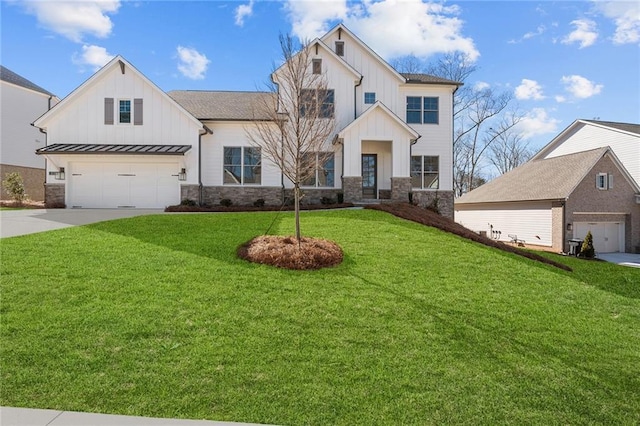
point(422, 110)
point(425, 172)
point(242, 166)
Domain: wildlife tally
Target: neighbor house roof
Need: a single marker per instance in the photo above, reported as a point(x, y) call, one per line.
point(11, 77)
point(224, 106)
point(625, 127)
point(546, 179)
point(67, 148)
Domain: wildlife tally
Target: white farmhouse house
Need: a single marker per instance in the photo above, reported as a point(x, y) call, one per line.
point(120, 141)
point(22, 100)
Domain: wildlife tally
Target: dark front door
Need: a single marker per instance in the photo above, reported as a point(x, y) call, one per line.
point(369, 176)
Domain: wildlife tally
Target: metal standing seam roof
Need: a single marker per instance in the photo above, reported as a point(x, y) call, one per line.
point(64, 148)
point(428, 79)
point(547, 179)
point(222, 105)
point(11, 77)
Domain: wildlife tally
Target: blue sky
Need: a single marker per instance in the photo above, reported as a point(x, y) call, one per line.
point(562, 60)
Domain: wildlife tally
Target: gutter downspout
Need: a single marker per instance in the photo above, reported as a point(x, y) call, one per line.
point(46, 142)
point(355, 98)
point(200, 187)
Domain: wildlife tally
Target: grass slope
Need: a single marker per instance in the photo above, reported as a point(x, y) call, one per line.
point(156, 316)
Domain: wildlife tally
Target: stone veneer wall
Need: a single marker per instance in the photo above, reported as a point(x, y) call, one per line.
point(427, 198)
point(242, 195)
point(400, 188)
point(314, 195)
point(189, 192)
point(54, 195)
point(32, 178)
point(352, 188)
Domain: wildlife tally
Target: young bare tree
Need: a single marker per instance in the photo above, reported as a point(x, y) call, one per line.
point(295, 128)
point(509, 151)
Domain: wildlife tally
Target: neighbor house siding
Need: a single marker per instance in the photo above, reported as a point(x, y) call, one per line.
point(530, 221)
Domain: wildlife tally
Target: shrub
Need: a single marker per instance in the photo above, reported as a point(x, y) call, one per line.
point(188, 202)
point(14, 187)
point(587, 249)
point(327, 200)
point(259, 202)
point(226, 202)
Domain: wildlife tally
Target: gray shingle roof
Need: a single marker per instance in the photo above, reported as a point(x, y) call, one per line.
point(627, 127)
point(219, 105)
point(548, 179)
point(427, 79)
point(76, 148)
point(11, 77)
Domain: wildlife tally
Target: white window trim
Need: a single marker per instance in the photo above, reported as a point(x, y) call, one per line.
point(317, 170)
point(422, 172)
point(423, 110)
point(602, 177)
point(117, 107)
point(242, 166)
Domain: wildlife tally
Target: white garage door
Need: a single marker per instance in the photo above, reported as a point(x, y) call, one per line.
point(114, 185)
point(607, 236)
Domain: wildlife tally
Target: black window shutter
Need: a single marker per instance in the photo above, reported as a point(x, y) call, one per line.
point(137, 112)
point(108, 110)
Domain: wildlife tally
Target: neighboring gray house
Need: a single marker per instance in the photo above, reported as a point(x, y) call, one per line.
point(548, 201)
point(22, 101)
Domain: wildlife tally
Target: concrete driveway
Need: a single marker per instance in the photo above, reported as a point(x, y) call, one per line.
point(23, 222)
point(624, 259)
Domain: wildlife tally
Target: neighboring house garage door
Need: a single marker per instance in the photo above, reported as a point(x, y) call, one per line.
point(115, 185)
point(607, 236)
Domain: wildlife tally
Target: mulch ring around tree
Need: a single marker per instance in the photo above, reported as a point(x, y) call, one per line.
point(285, 252)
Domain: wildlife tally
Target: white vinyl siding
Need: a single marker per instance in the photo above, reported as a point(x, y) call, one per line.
point(531, 222)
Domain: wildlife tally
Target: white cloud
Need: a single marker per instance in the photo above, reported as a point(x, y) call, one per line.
point(626, 15)
point(531, 34)
point(581, 87)
point(243, 11)
point(529, 89)
point(94, 56)
point(585, 33)
point(75, 19)
point(537, 122)
point(193, 64)
point(391, 29)
point(480, 86)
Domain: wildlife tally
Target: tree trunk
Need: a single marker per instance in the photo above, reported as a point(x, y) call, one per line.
point(296, 192)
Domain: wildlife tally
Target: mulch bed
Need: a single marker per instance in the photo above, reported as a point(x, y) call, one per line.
point(24, 205)
point(285, 252)
point(430, 218)
point(196, 209)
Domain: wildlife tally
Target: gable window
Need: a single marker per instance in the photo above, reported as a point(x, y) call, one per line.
point(369, 98)
point(340, 48)
point(317, 66)
point(422, 110)
point(242, 166)
point(124, 111)
point(425, 172)
point(323, 165)
point(604, 181)
point(317, 103)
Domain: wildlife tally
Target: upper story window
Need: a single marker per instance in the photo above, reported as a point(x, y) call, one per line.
point(127, 111)
point(242, 166)
point(323, 164)
point(124, 111)
point(422, 110)
point(604, 181)
point(340, 48)
point(370, 98)
point(425, 172)
point(317, 103)
point(317, 66)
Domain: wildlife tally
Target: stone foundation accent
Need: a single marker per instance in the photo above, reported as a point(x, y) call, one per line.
point(314, 195)
point(400, 188)
point(352, 188)
point(242, 195)
point(33, 179)
point(189, 192)
point(441, 200)
point(384, 194)
point(54, 195)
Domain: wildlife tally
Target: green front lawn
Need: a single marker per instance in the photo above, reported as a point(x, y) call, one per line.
point(155, 316)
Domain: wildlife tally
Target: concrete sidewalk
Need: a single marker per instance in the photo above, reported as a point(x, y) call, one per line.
point(29, 221)
point(10, 416)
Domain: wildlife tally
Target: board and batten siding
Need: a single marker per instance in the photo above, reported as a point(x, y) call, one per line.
point(230, 134)
point(624, 145)
point(530, 221)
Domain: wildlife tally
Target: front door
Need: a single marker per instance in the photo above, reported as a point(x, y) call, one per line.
point(369, 176)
